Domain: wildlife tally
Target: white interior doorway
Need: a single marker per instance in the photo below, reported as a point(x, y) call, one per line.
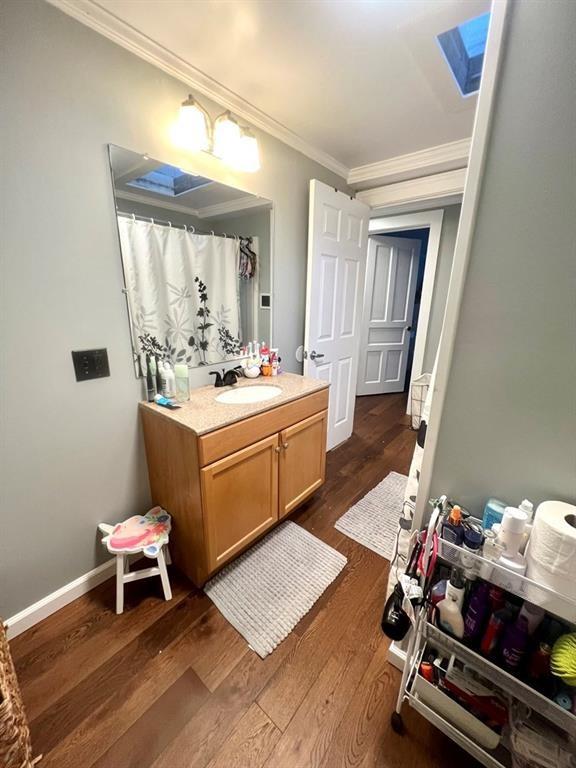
point(431, 220)
point(388, 316)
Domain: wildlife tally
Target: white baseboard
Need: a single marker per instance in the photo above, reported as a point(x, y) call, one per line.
point(22, 621)
point(396, 656)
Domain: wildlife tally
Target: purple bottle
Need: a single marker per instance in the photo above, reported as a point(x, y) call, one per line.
point(514, 644)
point(477, 613)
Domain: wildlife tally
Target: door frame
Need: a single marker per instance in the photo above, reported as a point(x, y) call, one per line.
point(431, 220)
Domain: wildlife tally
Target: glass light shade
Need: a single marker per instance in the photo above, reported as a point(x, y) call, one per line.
point(248, 158)
point(226, 138)
point(192, 129)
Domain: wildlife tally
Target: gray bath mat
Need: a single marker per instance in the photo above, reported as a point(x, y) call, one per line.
point(267, 590)
point(373, 521)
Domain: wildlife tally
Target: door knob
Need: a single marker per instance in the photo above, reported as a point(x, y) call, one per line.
point(285, 445)
point(277, 449)
point(315, 355)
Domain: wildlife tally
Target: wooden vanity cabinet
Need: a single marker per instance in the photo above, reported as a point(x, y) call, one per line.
point(240, 499)
point(226, 488)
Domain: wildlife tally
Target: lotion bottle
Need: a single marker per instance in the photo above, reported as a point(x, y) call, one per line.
point(450, 617)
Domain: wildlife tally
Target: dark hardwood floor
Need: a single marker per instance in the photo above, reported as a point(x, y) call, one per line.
point(173, 685)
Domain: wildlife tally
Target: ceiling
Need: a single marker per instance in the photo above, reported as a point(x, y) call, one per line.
point(360, 80)
point(212, 199)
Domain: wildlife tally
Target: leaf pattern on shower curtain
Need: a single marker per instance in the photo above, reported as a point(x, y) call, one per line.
point(170, 276)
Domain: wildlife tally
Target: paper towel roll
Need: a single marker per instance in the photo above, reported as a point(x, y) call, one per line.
point(551, 556)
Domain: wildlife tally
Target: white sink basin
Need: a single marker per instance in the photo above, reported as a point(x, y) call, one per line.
point(243, 395)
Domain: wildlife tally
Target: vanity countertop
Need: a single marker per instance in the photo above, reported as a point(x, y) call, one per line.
point(203, 413)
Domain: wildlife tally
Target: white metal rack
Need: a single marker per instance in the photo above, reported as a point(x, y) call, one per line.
point(423, 632)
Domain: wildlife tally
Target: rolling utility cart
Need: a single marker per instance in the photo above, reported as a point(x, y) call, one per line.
point(523, 700)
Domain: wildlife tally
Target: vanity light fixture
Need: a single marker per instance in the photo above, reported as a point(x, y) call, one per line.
point(226, 138)
point(193, 127)
point(248, 157)
point(236, 146)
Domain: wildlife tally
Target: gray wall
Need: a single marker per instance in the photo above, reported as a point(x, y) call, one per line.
point(71, 454)
point(509, 421)
point(441, 281)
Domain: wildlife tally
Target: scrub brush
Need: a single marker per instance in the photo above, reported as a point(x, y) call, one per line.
point(563, 659)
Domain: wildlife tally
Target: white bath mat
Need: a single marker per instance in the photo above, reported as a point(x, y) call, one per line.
point(268, 589)
point(373, 521)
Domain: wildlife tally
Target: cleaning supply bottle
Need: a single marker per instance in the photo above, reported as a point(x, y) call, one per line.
point(477, 612)
point(494, 630)
point(450, 617)
point(452, 527)
point(455, 587)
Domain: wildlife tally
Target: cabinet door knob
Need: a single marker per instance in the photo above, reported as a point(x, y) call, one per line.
point(284, 445)
point(277, 449)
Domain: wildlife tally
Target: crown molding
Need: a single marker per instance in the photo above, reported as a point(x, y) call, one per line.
point(437, 188)
point(238, 205)
point(99, 19)
point(233, 206)
point(439, 159)
point(167, 205)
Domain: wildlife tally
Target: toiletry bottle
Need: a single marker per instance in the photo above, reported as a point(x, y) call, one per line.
point(455, 587)
point(170, 380)
point(493, 512)
point(514, 644)
point(274, 361)
point(533, 615)
point(438, 591)
point(477, 612)
point(150, 382)
point(527, 507)
point(493, 631)
point(452, 528)
point(182, 383)
point(157, 373)
point(450, 618)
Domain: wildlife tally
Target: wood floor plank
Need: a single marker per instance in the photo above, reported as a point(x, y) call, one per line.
point(208, 730)
point(217, 647)
point(103, 684)
point(106, 723)
point(80, 652)
point(251, 743)
point(287, 689)
point(311, 730)
point(158, 726)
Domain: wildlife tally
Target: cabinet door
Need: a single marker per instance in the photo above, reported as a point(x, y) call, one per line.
point(240, 499)
point(302, 461)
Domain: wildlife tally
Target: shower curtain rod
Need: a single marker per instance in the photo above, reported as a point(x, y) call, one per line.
point(187, 227)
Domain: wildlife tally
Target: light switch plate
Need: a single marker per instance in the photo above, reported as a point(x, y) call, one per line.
point(91, 364)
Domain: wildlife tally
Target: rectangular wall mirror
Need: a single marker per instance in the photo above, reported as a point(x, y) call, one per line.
point(196, 257)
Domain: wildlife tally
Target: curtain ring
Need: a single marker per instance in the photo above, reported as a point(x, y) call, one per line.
point(133, 217)
point(212, 232)
point(192, 228)
point(151, 220)
point(170, 224)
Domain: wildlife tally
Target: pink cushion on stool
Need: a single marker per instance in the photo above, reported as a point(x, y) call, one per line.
point(141, 533)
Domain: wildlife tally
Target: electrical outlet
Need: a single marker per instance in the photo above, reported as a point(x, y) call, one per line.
point(91, 364)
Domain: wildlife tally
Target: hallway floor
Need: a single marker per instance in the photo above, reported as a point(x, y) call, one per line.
point(173, 685)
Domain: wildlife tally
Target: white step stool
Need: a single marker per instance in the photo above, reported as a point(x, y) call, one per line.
point(147, 534)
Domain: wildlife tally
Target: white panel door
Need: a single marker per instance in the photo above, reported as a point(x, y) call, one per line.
point(390, 288)
point(337, 240)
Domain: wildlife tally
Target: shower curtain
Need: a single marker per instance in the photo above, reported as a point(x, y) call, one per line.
point(183, 289)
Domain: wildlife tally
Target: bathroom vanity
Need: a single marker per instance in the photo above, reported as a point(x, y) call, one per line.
point(228, 472)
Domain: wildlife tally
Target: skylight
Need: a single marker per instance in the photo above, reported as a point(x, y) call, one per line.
point(463, 47)
point(168, 180)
